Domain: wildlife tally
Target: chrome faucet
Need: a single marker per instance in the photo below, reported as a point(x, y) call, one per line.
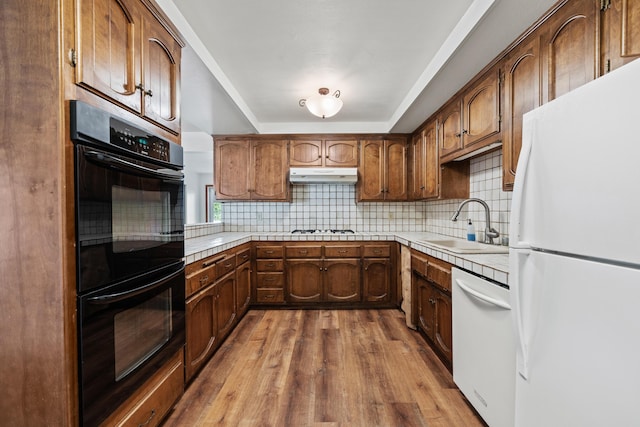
point(489, 232)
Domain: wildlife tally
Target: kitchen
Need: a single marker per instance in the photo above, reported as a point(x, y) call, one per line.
point(38, 310)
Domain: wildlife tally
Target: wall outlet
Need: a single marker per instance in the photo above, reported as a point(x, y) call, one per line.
point(390, 216)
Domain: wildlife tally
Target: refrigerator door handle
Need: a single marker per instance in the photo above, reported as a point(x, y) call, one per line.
point(518, 259)
point(482, 296)
point(518, 187)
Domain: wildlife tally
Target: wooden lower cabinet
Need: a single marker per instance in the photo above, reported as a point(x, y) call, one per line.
point(376, 280)
point(225, 304)
point(431, 283)
point(358, 274)
point(201, 330)
point(243, 288)
point(154, 400)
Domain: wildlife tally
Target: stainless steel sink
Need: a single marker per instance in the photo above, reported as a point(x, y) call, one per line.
point(460, 246)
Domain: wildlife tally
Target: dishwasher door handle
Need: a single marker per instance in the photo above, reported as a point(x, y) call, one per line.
point(482, 296)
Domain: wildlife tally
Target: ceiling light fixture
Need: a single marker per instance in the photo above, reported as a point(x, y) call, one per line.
point(323, 105)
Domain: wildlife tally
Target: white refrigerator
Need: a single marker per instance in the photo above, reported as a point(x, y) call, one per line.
point(575, 258)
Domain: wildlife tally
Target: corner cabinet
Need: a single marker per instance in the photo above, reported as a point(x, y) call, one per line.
point(126, 55)
point(383, 170)
point(248, 169)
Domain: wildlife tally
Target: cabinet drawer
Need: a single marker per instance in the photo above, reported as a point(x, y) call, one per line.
point(269, 265)
point(439, 272)
point(378, 251)
point(270, 295)
point(342, 251)
point(269, 251)
point(420, 265)
point(243, 256)
point(224, 266)
point(201, 279)
point(270, 280)
point(156, 404)
point(303, 251)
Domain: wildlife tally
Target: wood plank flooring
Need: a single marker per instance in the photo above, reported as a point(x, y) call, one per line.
point(323, 368)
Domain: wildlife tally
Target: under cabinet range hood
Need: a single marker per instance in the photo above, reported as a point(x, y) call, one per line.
point(323, 175)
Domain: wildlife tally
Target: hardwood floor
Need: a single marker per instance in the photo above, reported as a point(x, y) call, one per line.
point(323, 368)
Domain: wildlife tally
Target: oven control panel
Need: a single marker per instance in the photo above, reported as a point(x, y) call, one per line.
point(138, 141)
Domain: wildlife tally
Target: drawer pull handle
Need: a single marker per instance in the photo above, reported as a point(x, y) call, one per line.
point(377, 251)
point(271, 265)
point(213, 261)
point(204, 279)
point(153, 414)
point(268, 252)
point(269, 296)
point(342, 251)
point(303, 252)
point(269, 279)
point(227, 265)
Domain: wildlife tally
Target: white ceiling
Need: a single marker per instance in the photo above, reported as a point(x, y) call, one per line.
point(249, 62)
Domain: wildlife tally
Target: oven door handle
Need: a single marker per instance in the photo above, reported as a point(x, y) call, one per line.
point(123, 165)
point(119, 296)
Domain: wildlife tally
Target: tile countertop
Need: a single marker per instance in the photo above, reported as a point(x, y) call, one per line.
point(491, 266)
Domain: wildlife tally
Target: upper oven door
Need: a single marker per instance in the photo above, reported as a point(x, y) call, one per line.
point(130, 217)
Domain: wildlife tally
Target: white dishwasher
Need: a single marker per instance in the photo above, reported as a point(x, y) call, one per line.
point(484, 355)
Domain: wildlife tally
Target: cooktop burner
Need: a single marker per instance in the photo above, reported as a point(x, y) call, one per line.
point(316, 231)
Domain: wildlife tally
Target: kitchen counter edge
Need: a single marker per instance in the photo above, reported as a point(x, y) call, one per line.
point(491, 266)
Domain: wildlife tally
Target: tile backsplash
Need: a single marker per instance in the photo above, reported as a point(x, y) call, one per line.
point(328, 206)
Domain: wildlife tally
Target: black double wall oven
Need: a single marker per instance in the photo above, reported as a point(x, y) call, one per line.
point(130, 248)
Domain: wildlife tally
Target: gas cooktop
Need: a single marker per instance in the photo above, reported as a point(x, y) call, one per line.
point(316, 231)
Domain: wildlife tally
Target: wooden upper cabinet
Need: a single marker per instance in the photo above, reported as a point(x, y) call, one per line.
point(481, 115)
point(620, 32)
point(108, 49)
point(124, 54)
point(333, 153)
point(383, 170)
point(248, 169)
point(417, 170)
point(341, 153)
point(306, 153)
point(431, 161)
point(569, 48)
point(472, 120)
point(450, 135)
point(232, 160)
point(521, 94)
point(161, 76)
point(269, 170)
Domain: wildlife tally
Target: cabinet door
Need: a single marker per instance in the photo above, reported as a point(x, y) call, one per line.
point(341, 153)
point(481, 112)
point(232, 160)
point(450, 136)
point(269, 160)
point(109, 61)
point(569, 43)
point(417, 170)
point(305, 153)
point(522, 94)
point(371, 169)
point(396, 179)
point(225, 304)
point(376, 280)
point(161, 75)
point(442, 332)
point(425, 305)
point(304, 280)
point(342, 280)
point(620, 33)
point(201, 331)
point(243, 290)
point(431, 161)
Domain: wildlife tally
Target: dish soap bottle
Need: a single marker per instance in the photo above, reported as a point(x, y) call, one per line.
point(471, 231)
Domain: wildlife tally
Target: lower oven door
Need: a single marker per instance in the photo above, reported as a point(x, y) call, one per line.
point(127, 332)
